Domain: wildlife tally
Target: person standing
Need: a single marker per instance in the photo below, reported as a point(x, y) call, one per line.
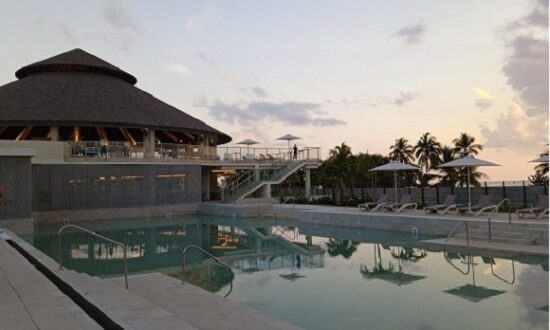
point(295, 152)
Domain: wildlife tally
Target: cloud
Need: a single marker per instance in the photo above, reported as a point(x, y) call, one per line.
point(177, 68)
point(411, 34)
point(116, 15)
point(525, 124)
point(259, 92)
point(526, 70)
point(403, 98)
point(67, 34)
point(516, 130)
point(290, 113)
point(537, 17)
point(205, 59)
point(484, 99)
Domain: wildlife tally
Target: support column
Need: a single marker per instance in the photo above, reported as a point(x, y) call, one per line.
point(149, 144)
point(265, 191)
point(54, 133)
point(308, 183)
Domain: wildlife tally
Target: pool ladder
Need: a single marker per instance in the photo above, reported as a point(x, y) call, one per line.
point(106, 239)
point(216, 259)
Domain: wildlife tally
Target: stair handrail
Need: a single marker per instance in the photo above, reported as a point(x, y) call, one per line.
point(512, 281)
point(216, 259)
point(466, 226)
point(445, 254)
point(122, 245)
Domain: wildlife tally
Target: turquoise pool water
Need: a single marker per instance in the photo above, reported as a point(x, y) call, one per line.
point(323, 277)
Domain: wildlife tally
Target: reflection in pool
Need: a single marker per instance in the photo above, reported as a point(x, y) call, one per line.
point(323, 277)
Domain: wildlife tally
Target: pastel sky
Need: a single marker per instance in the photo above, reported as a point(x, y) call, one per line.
point(360, 72)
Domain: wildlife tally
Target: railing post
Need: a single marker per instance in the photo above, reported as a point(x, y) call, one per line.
point(486, 188)
point(437, 194)
point(503, 190)
point(524, 194)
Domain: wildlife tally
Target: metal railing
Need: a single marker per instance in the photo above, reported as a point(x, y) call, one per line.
point(216, 259)
point(122, 245)
point(503, 279)
point(175, 151)
point(445, 254)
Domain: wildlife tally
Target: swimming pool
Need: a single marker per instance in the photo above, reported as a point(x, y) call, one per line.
point(323, 277)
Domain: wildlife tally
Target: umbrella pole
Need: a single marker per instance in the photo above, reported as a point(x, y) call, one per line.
point(469, 193)
point(395, 186)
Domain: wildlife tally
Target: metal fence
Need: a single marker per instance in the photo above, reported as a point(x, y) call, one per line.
point(71, 186)
point(521, 193)
point(173, 151)
point(15, 187)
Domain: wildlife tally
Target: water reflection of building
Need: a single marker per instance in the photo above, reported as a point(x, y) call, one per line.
point(152, 248)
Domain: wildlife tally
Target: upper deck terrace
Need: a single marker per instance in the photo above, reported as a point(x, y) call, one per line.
point(124, 152)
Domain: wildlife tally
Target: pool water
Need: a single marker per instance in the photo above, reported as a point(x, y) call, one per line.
point(322, 277)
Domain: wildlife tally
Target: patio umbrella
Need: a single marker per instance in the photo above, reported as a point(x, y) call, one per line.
point(472, 292)
point(541, 159)
point(288, 138)
point(468, 162)
point(394, 167)
point(248, 143)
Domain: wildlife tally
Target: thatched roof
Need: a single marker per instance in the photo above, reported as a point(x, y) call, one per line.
point(77, 88)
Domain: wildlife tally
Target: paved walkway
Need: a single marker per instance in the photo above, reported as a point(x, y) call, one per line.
point(28, 300)
point(153, 301)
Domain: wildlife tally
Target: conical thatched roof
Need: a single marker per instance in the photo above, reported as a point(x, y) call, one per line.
point(78, 88)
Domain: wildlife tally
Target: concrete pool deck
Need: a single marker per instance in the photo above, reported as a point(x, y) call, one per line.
point(153, 301)
point(28, 300)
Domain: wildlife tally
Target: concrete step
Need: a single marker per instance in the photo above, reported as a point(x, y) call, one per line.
point(496, 239)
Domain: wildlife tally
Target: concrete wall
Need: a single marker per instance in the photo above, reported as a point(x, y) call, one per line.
point(59, 187)
point(45, 152)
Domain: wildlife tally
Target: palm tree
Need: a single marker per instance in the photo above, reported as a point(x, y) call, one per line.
point(425, 150)
point(342, 159)
point(448, 175)
point(345, 248)
point(402, 151)
point(465, 146)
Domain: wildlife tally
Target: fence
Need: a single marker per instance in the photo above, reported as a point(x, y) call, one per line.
point(521, 193)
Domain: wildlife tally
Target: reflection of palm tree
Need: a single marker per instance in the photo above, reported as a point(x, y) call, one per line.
point(345, 248)
point(408, 254)
point(390, 273)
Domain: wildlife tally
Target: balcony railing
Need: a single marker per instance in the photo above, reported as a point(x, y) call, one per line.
point(185, 152)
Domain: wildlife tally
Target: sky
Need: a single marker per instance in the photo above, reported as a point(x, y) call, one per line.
point(360, 72)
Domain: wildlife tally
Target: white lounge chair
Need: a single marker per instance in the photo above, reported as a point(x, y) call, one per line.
point(448, 204)
point(483, 201)
point(538, 210)
point(405, 201)
point(491, 208)
point(373, 206)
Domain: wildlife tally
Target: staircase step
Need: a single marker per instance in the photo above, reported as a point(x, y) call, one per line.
point(497, 239)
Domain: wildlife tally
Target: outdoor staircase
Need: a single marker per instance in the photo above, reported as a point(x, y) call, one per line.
point(250, 181)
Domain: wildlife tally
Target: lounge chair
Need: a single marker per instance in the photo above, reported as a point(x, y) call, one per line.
point(405, 201)
point(373, 206)
point(538, 210)
point(484, 205)
point(448, 204)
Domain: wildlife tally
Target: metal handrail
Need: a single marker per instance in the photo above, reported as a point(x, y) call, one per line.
point(467, 245)
point(503, 279)
point(60, 231)
point(454, 229)
point(216, 259)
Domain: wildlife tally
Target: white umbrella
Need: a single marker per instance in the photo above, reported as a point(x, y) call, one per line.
point(394, 167)
point(288, 138)
point(468, 162)
point(541, 159)
point(248, 143)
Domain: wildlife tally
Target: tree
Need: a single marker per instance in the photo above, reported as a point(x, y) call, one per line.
point(341, 159)
point(465, 145)
point(402, 151)
point(448, 176)
point(345, 248)
point(541, 172)
point(425, 150)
